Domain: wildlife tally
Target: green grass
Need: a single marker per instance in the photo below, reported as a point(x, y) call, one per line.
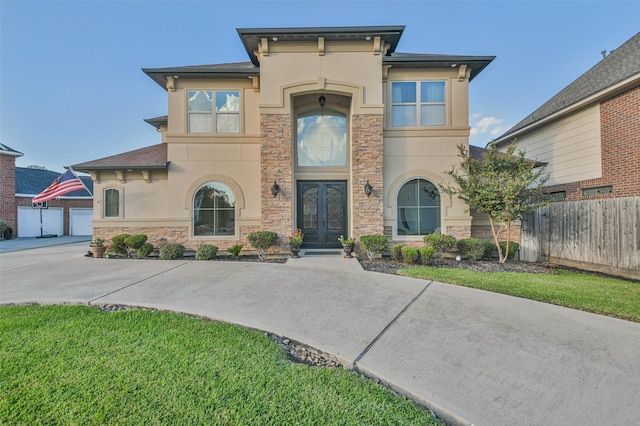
point(606, 296)
point(79, 365)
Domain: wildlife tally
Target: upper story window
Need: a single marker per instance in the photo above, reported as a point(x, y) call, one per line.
point(111, 202)
point(417, 103)
point(204, 118)
point(322, 140)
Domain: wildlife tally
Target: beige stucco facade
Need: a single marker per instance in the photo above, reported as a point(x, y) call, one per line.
point(352, 70)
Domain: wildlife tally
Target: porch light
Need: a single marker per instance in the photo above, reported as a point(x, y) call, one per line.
point(368, 188)
point(322, 101)
point(275, 189)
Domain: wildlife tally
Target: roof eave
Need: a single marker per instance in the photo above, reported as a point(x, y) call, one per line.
point(476, 63)
point(159, 75)
point(89, 168)
point(595, 98)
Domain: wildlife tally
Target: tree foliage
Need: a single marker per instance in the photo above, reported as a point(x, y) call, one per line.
point(503, 185)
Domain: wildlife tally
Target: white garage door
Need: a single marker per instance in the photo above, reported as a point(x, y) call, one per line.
point(80, 221)
point(29, 222)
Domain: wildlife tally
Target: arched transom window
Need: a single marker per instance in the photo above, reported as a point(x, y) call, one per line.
point(418, 208)
point(322, 140)
point(214, 210)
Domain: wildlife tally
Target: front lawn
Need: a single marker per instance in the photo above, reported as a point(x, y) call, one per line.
point(79, 365)
point(607, 296)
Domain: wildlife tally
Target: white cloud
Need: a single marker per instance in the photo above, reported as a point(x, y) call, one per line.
point(486, 125)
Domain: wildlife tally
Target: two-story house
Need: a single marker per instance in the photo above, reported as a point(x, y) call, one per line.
point(329, 130)
point(589, 132)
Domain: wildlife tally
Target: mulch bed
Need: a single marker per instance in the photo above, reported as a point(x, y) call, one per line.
point(389, 266)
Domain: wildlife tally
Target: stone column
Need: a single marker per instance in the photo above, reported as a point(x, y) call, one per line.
point(367, 160)
point(276, 164)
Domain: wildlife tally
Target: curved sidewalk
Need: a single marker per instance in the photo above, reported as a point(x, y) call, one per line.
point(474, 357)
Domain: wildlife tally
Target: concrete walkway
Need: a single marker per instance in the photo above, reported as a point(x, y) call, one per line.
point(471, 356)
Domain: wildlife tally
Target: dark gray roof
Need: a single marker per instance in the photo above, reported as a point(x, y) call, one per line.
point(33, 181)
point(4, 149)
point(425, 60)
point(251, 36)
point(158, 122)
point(621, 64)
point(229, 70)
point(149, 158)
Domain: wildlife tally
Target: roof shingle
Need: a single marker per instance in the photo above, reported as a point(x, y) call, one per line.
point(151, 157)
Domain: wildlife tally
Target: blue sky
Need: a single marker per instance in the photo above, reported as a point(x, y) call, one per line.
point(72, 89)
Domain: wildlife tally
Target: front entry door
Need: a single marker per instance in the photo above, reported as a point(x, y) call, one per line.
point(322, 213)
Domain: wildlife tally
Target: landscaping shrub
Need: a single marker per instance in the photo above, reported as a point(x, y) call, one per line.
point(440, 243)
point(117, 244)
point(409, 255)
point(426, 254)
point(396, 252)
point(513, 248)
point(172, 251)
point(134, 242)
point(373, 244)
point(262, 241)
point(206, 252)
point(235, 250)
point(473, 248)
point(145, 250)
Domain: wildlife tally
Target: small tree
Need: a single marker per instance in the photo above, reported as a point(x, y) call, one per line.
point(502, 185)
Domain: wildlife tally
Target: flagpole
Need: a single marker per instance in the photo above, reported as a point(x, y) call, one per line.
point(85, 186)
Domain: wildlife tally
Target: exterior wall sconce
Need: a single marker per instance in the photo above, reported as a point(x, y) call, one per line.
point(275, 189)
point(368, 189)
point(322, 101)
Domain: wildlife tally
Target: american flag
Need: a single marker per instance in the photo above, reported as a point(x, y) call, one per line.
point(63, 184)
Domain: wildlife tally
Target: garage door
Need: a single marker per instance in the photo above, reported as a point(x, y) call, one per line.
point(80, 221)
point(29, 222)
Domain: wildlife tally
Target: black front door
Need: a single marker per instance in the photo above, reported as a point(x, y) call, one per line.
point(322, 213)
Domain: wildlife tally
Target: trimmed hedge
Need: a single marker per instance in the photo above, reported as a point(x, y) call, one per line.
point(373, 244)
point(513, 248)
point(145, 250)
point(262, 241)
point(206, 252)
point(172, 251)
point(409, 255)
point(440, 242)
point(118, 245)
point(396, 252)
point(426, 254)
point(474, 248)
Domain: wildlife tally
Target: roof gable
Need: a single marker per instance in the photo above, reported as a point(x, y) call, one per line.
point(31, 182)
point(621, 64)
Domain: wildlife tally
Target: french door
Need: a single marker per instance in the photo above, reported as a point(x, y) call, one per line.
point(322, 212)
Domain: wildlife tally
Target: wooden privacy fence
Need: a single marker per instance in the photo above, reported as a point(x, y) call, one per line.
point(597, 235)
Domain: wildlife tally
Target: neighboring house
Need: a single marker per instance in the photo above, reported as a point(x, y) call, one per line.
point(69, 214)
point(8, 211)
point(589, 133)
point(326, 129)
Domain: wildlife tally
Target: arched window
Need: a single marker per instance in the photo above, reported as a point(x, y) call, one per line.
point(322, 140)
point(418, 208)
point(214, 210)
point(111, 202)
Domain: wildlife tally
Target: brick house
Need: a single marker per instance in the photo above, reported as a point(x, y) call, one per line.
point(589, 133)
point(8, 211)
point(325, 129)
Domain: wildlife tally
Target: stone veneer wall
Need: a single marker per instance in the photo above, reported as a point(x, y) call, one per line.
point(8, 210)
point(277, 166)
point(161, 235)
point(367, 161)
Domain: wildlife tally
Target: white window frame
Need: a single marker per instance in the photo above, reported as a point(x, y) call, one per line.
point(418, 104)
point(214, 114)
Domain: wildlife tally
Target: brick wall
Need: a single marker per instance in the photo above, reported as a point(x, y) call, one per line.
point(620, 135)
point(8, 211)
point(276, 164)
point(367, 164)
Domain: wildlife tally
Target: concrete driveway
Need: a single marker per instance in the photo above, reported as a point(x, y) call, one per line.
point(471, 356)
